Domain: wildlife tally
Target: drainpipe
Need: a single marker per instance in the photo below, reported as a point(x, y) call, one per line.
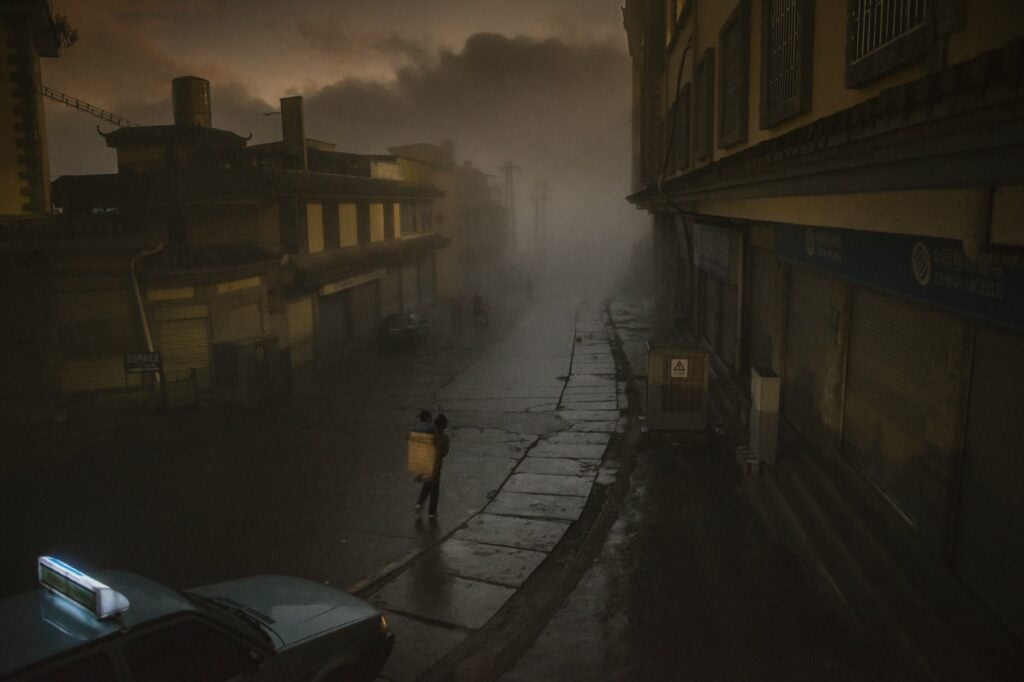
point(138, 293)
point(142, 314)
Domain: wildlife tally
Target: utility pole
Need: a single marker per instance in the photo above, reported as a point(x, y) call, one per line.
point(509, 169)
point(540, 200)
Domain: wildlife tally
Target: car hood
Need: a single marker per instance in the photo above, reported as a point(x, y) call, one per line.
point(291, 609)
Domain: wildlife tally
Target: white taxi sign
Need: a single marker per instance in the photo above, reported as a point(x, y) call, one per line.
point(89, 593)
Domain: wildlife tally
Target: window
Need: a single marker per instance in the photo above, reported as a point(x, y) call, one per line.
point(92, 668)
point(389, 221)
point(332, 233)
point(348, 224)
point(682, 133)
point(883, 35)
point(314, 228)
point(733, 76)
point(787, 46)
point(187, 651)
point(363, 222)
point(704, 104)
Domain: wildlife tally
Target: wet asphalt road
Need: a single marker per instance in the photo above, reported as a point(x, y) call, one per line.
point(317, 488)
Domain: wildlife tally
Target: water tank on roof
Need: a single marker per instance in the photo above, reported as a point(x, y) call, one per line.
point(191, 97)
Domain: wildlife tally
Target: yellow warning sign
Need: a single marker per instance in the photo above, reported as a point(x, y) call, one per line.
point(680, 368)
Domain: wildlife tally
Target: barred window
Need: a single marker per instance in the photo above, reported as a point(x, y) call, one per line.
point(883, 35)
point(682, 133)
point(787, 42)
point(704, 104)
point(733, 76)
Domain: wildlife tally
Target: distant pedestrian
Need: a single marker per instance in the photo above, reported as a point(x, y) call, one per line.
point(432, 488)
point(425, 424)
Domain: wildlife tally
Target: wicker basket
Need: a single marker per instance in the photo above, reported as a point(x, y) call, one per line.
point(424, 459)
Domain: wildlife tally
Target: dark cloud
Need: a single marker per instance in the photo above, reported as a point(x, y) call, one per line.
point(334, 35)
point(537, 101)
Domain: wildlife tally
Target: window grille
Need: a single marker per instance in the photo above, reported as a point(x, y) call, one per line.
point(734, 67)
point(885, 34)
point(704, 104)
point(786, 52)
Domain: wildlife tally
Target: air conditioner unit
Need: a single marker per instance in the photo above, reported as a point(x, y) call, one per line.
point(677, 387)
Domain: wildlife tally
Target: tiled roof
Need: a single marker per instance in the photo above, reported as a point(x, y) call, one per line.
point(186, 258)
point(323, 267)
point(236, 184)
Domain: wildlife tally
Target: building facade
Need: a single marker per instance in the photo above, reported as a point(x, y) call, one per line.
point(470, 214)
point(836, 191)
point(233, 262)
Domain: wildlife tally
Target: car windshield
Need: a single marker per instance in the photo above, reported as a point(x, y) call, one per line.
point(227, 611)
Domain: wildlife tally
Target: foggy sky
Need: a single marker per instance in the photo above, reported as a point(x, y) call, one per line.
point(543, 83)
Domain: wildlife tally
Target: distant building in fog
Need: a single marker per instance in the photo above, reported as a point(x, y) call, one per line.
point(247, 259)
point(836, 192)
point(471, 215)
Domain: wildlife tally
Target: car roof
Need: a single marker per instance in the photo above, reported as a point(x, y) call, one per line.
point(38, 625)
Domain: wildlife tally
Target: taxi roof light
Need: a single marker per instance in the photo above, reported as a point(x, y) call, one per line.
point(75, 586)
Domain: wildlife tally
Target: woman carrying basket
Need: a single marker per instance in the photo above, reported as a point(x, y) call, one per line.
point(432, 488)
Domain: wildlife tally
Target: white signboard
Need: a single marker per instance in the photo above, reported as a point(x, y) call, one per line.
point(680, 368)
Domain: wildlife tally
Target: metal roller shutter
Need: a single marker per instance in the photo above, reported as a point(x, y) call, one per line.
point(410, 296)
point(240, 323)
point(990, 545)
point(184, 345)
point(898, 357)
point(364, 309)
point(762, 308)
point(728, 335)
point(427, 279)
point(333, 322)
point(300, 330)
point(712, 310)
point(811, 353)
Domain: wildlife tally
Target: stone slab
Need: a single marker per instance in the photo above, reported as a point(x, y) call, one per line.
point(557, 465)
point(595, 427)
point(475, 435)
point(479, 561)
point(538, 506)
point(577, 437)
point(442, 597)
point(548, 484)
point(537, 534)
point(589, 415)
point(481, 449)
point(568, 450)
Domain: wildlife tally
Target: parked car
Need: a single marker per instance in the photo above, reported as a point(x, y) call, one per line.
point(121, 626)
point(402, 330)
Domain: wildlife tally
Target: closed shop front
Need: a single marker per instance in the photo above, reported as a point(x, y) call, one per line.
point(333, 322)
point(810, 385)
point(183, 339)
point(239, 322)
point(718, 255)
point(989, 549)
point(901, 376)
point(300, 329)
point(364, 309)
point(762, 309)
point(95, 330)
point(427, 281)
point(410, 294)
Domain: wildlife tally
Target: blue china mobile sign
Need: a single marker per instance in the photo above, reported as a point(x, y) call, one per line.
point(926, 269)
